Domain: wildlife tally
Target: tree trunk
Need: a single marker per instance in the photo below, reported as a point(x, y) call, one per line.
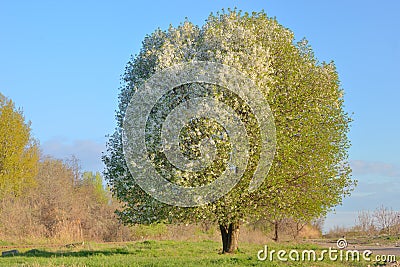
point(276, 233)
point(230, 237)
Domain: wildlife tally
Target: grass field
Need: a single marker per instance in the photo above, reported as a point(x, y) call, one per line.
point(156, 253)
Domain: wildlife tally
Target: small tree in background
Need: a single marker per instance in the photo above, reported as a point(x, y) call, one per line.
point(310, 173)
point(94, 182)
point(365, 222)
point(386, 219)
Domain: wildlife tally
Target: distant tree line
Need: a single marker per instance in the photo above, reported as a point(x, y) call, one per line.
point(45, 197)
point(382, 220)
point(62, 205)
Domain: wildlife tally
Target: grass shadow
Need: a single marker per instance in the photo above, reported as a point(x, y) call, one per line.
point(82, 253)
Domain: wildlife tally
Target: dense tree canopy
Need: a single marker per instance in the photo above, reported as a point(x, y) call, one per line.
point(310, 173)
point(19, 153)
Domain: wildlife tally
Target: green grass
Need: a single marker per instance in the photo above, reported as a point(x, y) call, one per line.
point(155, 253)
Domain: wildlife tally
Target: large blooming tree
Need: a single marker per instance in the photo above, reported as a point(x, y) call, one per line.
point(309, 175)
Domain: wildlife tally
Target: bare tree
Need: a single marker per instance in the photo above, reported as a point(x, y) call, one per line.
point(385, 219)
point(365, 222)
point(292, 227)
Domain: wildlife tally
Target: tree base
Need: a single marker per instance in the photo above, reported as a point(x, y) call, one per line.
point(230, 237)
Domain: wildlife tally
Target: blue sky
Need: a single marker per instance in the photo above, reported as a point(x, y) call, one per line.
point(61, 62)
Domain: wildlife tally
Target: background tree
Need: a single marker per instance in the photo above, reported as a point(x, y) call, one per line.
point(310, 173)
point(94, 182)
point(365, 222)
point(386, 219)
point(19, 153)
point(54, 199)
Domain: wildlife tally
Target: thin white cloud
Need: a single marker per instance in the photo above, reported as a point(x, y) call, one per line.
point(362, 167)
point(88, 152)
point(341, 219)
